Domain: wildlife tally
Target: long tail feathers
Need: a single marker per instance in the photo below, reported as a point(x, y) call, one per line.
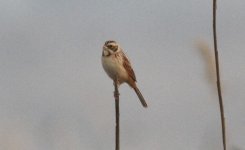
point(141, 98)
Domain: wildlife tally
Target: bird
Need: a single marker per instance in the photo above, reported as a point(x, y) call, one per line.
point(118, 67)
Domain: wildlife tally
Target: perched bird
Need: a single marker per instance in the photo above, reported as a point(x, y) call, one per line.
point(118, 67)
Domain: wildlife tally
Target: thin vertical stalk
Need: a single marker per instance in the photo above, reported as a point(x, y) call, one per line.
point(117, 112)
point(222, 116)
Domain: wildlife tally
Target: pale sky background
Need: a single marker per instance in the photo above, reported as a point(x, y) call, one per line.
point(54, 94)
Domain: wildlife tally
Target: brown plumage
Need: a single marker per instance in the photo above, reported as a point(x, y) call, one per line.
point(117, 65)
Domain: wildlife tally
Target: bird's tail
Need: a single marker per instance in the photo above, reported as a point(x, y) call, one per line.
point(141, 98)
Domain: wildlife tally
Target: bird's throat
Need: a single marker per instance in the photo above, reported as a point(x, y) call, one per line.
point(106, 53)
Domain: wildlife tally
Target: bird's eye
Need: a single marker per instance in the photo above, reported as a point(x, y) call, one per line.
point(110, 46)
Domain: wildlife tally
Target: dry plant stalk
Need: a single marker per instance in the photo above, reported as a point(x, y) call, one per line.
point(218, 75)
point(208, 56)
point(117, 129)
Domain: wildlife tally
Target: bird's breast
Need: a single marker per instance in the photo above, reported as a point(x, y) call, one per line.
point(113, 66)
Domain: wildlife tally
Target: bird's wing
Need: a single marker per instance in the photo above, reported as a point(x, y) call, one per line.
point(127, 66)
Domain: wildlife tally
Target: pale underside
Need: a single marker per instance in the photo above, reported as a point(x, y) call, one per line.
point(113, 66)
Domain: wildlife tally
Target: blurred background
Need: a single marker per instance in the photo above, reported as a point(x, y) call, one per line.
point(54, 94)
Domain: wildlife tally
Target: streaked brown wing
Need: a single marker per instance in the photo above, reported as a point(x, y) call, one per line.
point(127, 66)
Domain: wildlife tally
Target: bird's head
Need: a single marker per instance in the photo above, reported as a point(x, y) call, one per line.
point(110, 47)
